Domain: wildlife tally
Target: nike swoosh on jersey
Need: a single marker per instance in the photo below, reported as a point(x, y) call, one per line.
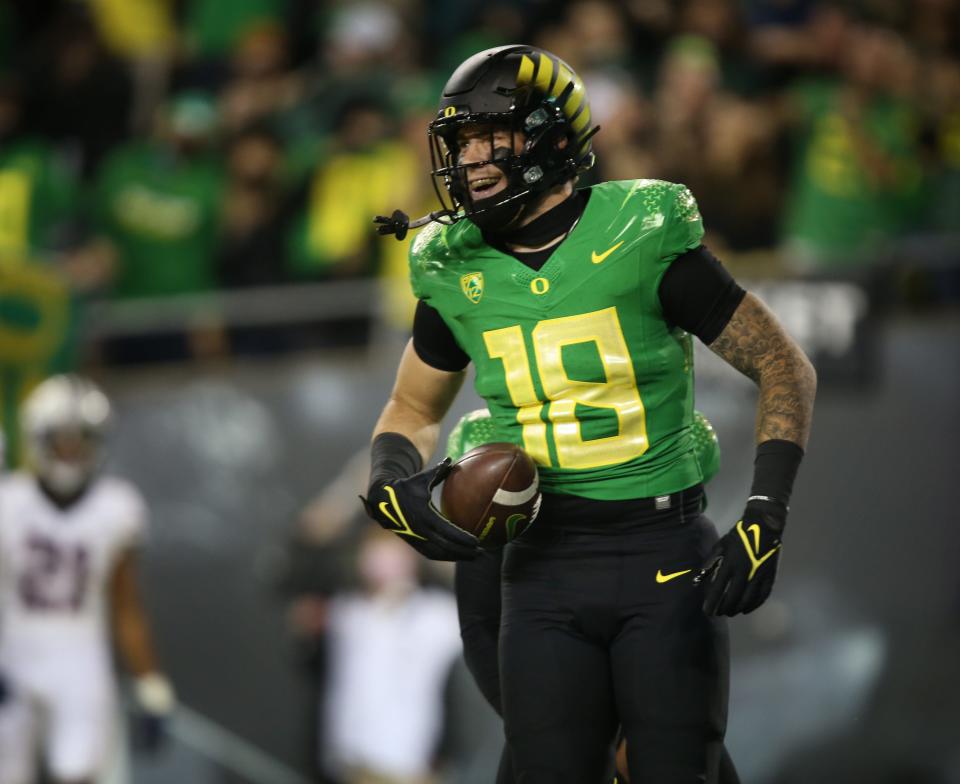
point(665, 578)
point(598, 258)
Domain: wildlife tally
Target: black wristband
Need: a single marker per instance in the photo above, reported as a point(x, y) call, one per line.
point(774, 469)
point(392, 456)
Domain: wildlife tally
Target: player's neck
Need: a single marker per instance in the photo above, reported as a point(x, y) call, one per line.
point(551, 199)
point(516, 248)
point(547, 224)
point(62, 500)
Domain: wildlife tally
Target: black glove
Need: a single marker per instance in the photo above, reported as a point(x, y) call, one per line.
point(403, 506)
point(149, 732)
point(740, 569)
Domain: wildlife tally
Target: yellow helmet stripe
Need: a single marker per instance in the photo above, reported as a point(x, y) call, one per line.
point(564, 77)
point(572, 106)
point(544, 74)
point(581, 123)
point(525, 74)
point(541, 75)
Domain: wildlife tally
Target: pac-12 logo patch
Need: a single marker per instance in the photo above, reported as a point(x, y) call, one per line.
point(472, 285)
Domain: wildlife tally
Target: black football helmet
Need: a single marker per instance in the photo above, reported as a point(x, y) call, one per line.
point(541, 101)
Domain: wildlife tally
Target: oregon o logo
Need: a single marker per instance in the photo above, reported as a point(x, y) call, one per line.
point(450, 111)
point(539, 285)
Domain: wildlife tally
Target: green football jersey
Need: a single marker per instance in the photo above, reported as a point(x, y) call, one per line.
point(576, 361)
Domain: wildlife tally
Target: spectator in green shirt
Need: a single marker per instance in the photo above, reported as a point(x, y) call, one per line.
point(858, 178)
point(158, 203)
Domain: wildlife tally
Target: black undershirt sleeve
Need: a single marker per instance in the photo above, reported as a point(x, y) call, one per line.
point(434, 342)
point(698, 294)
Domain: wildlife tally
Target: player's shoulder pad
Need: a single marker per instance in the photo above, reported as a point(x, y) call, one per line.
point(123, 497)
point(668, 207)
point(15, 482)
point(684, 204)
point(683, 229)
point(649, 196)
point(647, 208)
point(8, 480)
point(438, 249)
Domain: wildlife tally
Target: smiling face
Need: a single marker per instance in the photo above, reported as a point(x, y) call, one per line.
point(477, 147)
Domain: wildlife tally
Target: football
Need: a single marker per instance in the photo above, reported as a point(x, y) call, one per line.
point(493, 493)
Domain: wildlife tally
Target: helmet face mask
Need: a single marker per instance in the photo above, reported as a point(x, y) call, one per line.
point(65, 421)
point(540, 101)
point(452, 176)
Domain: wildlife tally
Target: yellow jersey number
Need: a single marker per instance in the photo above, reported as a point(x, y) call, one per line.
point(617, 392)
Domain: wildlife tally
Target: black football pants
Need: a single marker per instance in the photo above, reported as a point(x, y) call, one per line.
point(592, 640)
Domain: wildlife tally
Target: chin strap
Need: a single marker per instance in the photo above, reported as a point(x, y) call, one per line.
point(399, 222)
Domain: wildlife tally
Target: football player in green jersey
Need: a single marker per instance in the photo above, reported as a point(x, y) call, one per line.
point(577, 309)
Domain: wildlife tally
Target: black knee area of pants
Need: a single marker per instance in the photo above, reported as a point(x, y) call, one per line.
point(480, 655)
point(477, 585)
point(728, 771)
point(672, 756)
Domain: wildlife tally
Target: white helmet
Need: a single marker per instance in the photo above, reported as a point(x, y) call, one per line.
point(64, 422)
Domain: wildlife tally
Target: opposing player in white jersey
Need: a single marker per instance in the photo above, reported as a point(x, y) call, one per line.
point(68, 537)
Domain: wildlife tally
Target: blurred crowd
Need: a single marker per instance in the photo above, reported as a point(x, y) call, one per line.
point(152, 148)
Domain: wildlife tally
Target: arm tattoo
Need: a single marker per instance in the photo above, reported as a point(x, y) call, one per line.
point(756, 344)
